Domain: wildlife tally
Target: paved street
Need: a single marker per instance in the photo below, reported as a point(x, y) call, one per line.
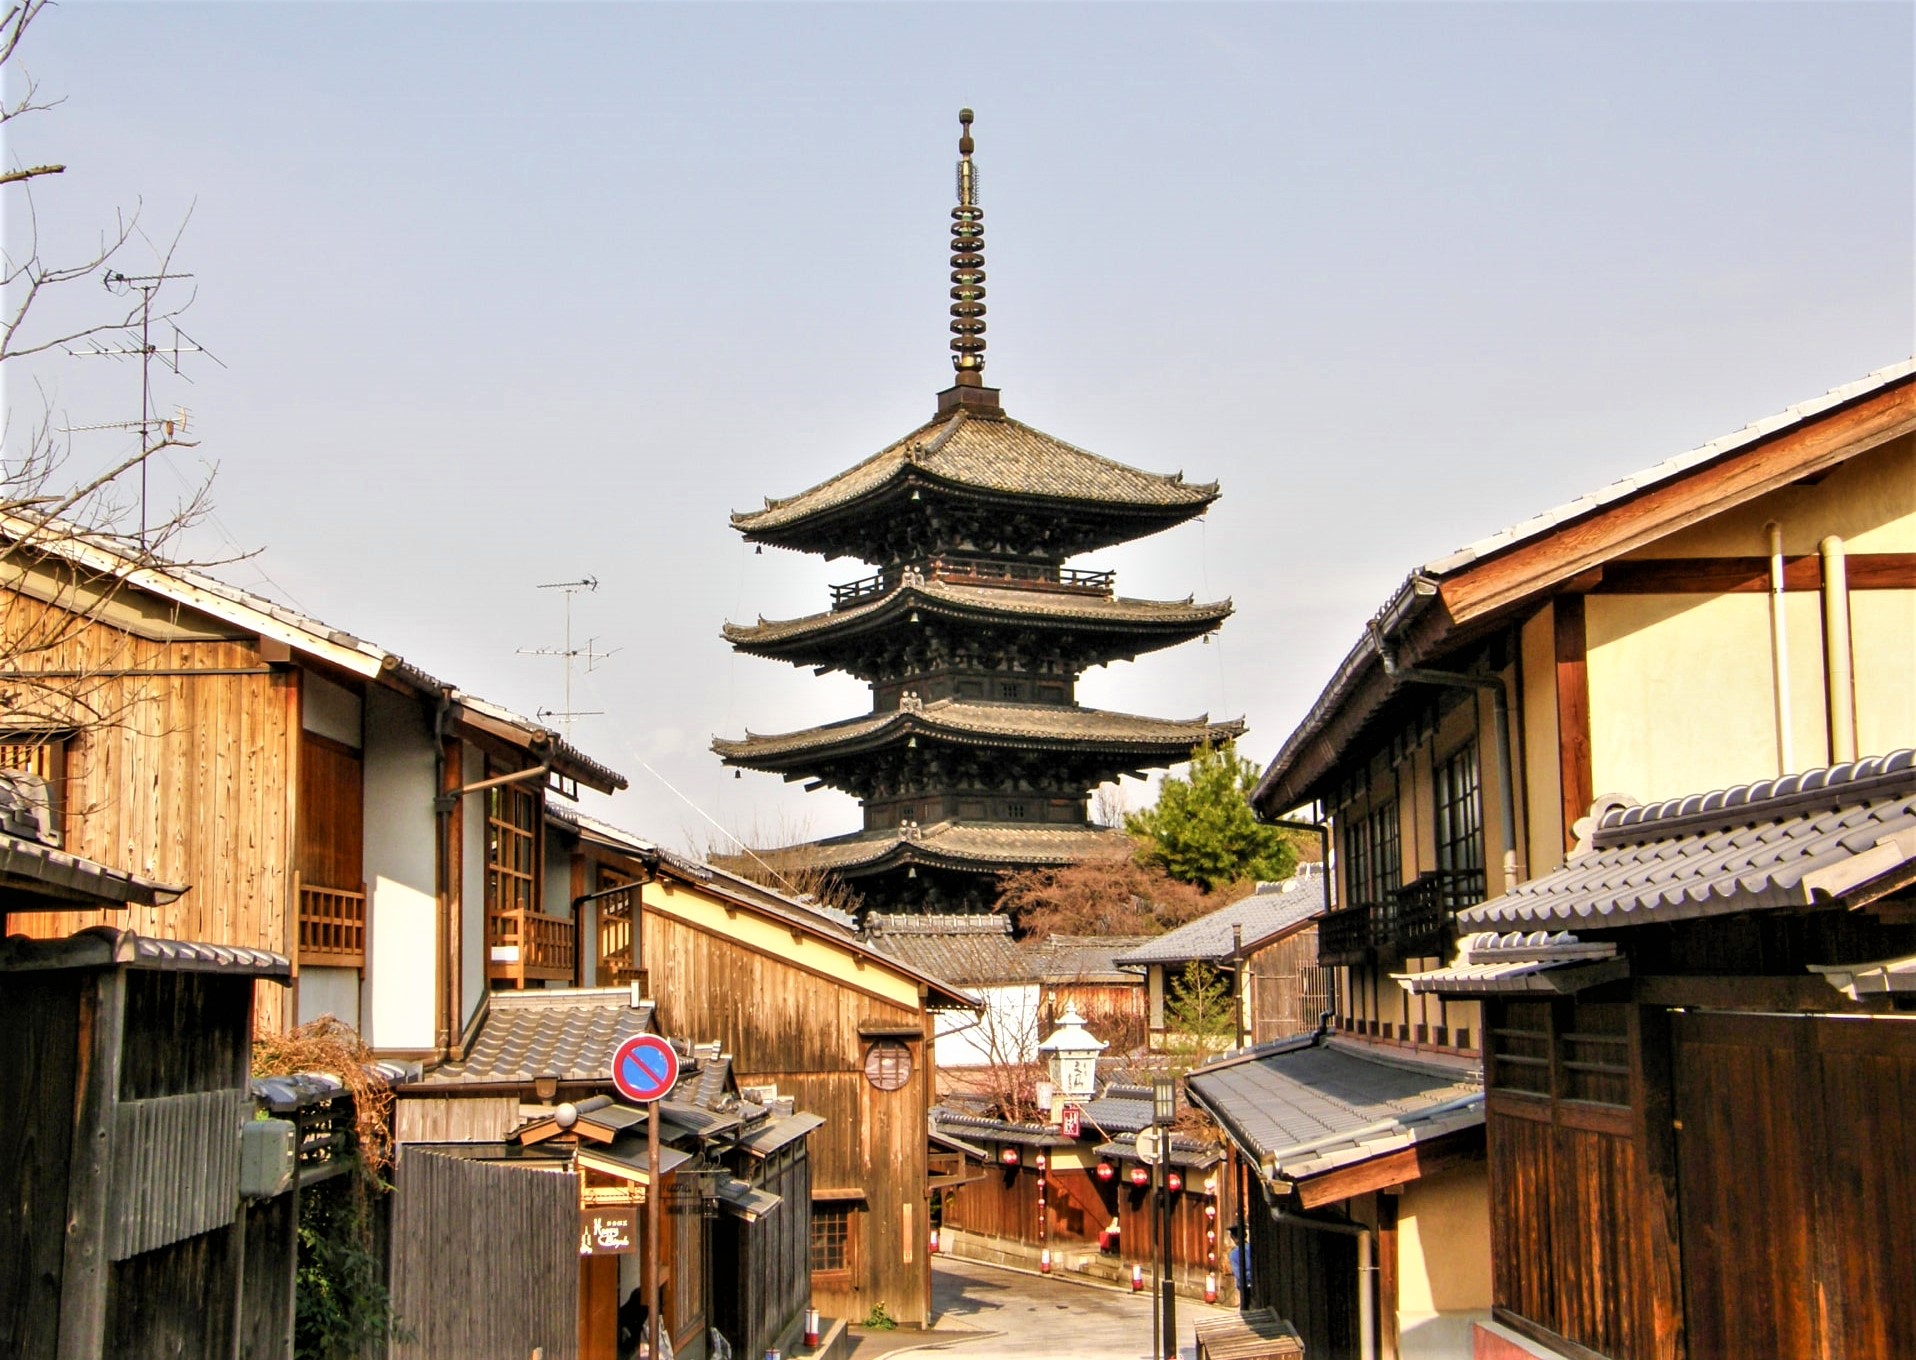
point(985, 1311)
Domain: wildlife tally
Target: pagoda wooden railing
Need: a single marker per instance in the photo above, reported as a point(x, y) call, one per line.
point(528, 945)
point(615, 967)
point(332, 925)
point(974, 570)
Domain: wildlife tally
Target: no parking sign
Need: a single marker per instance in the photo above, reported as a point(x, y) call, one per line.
point(644, 1068)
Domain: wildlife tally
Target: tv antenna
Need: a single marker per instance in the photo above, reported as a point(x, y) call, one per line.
point(146, 285)
point(570, 655)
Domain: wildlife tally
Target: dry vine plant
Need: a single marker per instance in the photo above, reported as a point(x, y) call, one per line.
point(332, 1046)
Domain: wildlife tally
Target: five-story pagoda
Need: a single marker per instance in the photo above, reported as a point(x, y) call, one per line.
point(976, 758)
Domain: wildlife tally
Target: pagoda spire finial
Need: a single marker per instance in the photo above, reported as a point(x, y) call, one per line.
point(967, 267)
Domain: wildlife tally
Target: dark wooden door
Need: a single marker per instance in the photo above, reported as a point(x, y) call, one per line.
point(1796, 1161)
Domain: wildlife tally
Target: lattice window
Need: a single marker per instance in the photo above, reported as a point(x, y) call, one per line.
point(831, 1237)
point(1594, 1055)
point(1460, 813)
point(512, 849)
point(1373, 852)
point(1520, 1048)
point(1567, 1050)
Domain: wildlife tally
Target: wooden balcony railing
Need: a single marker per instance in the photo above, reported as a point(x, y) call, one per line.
point(1414, 919)
point(615, 967)
point(527, 945)
point(332, 925)
point(975, 571)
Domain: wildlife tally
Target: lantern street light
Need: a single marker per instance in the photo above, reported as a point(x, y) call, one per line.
point(1164, 1113)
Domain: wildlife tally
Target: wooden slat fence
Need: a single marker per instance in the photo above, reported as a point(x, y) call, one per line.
point(332, 926)
point(485, 1259)
point(175, 1168)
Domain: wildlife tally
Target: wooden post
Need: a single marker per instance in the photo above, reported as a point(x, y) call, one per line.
point(84, 1272)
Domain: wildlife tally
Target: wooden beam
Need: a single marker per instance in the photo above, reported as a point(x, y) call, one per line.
point(1817, 444)
point(1750, 575)
point(1574, 775)
point(1396, 1168)
point(1807, 995)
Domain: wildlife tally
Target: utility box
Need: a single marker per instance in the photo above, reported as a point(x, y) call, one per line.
point(269, 1151)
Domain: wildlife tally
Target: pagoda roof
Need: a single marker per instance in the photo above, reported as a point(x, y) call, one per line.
point(967, 845)
point(984, 723)
point(992, 455)
point(1182, 618)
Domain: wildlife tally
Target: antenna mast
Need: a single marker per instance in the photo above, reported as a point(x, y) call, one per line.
point(146, 285)
point(569, 654)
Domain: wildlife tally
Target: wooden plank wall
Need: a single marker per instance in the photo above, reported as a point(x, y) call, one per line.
point(1288, 989)
point(788, 1025)
point(461, 1227)
point(1309, 1277)
point(39, 1073)
point(192, 784)
point(175, 1168)
point(178, 1303)
point(272, 1258)
point(762, 1270)
point(331, 849)
point(1115, 1012)
point(1079, 1207)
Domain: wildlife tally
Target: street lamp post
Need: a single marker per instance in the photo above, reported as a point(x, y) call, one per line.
point(1163, 1115)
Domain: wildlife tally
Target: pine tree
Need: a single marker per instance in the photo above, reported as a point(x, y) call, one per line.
point(1202, 829)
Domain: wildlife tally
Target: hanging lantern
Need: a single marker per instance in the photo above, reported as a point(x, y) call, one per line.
point(1106, 1171)
point(1044, 1261)
point(1210, 1288)
point(1210, 1211)
point(1137, 1279)
point(1041, 1161)
point(1140, 1176)
point(1173, 1182)
point(1009, 1156)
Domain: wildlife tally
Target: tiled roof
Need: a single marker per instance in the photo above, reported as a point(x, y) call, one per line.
point(1302, 1107)
point(108, 946)
point(1271, 910)
point(1087, 958)
point(998, 455)
point(571, 1033)
point(964, 843)
point(1287, 778)
point(972, 950)
point(1118, 614)
point(55, 880)
point(268, 618)
point(1186, 1152)
point(1789, 842)
point(988, 724)
point(983, 1128)
point(1489, 964)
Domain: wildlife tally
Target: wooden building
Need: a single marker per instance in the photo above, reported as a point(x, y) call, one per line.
point(1081, 973)
point(327, 800)
point(1732, 1011)
point(975, 951)
point(1265, 945)
point(131, 1227)
point(976, 757)
point(804, 1004)
point(1734, 613)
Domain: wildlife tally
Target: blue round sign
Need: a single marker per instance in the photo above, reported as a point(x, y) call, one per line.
point(644, 1068)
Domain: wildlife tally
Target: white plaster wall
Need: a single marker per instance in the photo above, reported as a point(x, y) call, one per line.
point(1443, 1263)
point(330, 710)
point(401, 980)
point(329, 991)
point(472, 893)
point(1008, 1025)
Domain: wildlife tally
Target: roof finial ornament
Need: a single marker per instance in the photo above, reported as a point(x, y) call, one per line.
point(967, 267)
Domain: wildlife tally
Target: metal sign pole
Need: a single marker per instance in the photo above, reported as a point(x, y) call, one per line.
point(1156, 1219)
point(652, 1225)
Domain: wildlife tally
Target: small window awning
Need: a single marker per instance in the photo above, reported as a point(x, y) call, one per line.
point(1520, 963)
point(626, 1159)
point(747, 1202)
point(779, 1131)
point(1185, 1154)
point(1890, 977)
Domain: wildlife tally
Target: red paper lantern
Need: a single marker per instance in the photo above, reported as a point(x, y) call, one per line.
point(1140, 1176)
point(1041, 1161)
point(1173, 1182)
point(1009, 1156)
point(1106, 1171)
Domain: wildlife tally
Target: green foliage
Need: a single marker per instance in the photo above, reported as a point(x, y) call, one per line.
point(1202, 829)
point(1198, 1008)
point(879, 1320)
point(341, 1308)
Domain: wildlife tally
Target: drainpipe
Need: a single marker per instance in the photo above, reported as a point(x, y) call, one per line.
point(1836, 652)
point(1513, 862)
point(1366, 1272)
point(444, 803)
point(1780, 652)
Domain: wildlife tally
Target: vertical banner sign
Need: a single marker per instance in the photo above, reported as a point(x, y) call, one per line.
point(1073, 1121)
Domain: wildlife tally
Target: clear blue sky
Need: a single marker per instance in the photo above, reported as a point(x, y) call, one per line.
point(518, 294)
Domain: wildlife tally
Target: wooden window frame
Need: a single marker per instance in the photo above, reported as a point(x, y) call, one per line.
point(513, 819)
point(845, 1214)
point(46, 753)
point(1457, 796)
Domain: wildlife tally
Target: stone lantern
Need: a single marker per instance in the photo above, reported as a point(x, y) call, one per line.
point(1074, 1056)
